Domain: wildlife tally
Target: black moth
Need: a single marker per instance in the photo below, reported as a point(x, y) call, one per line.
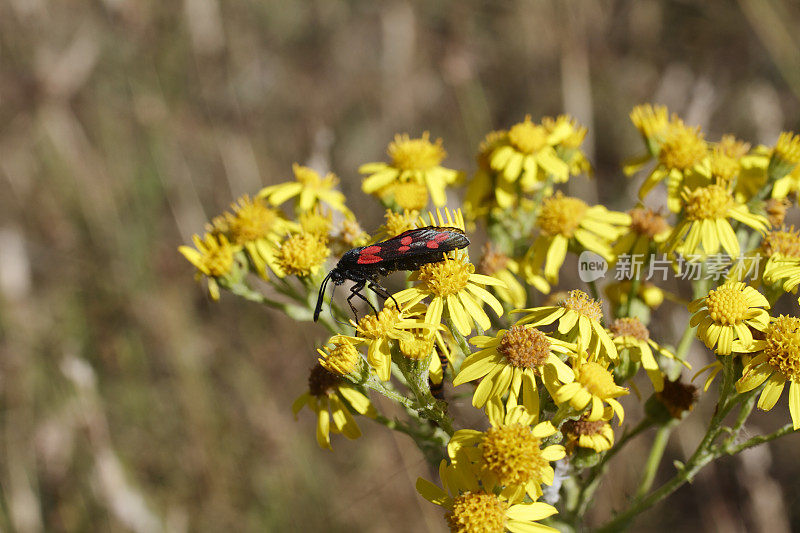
point(408, 251)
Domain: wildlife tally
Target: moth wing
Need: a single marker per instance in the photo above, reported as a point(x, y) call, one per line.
point(423, 242)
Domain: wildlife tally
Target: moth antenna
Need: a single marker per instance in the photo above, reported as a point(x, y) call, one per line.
point(321, 297)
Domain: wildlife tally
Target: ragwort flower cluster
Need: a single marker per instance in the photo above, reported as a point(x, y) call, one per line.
point(550, 373)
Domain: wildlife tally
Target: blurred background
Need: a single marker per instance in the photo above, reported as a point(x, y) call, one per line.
point(130, 402)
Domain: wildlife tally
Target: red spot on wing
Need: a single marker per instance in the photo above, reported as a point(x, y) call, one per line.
point(367, 255)
point(404, 249)
point(432, 245)
point(368, 259)
point(440, 237)
point(405, 241)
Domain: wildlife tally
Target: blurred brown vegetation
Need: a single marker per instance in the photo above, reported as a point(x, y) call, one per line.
point(130, 402)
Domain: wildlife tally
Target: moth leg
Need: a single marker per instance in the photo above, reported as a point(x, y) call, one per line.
point(382, 292)
point(355, 290)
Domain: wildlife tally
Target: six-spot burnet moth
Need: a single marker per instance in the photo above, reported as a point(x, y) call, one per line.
point(408, 251)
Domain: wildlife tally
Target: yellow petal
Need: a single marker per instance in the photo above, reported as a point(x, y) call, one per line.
point(486, 296)
point(517, 526)
point(343, 421)
point(379, 180)
point(434, 313)
point(530, 511)
point(299, 403)
point(323, 429)
point(794, 404)
point(753, 376)
point(483, 392)
point(431, 492)
point(486, 280)
point(457, 314)
point(358, 401)
point(473, 369)
point(475, 311)
point(596, 412)
point(772, 391)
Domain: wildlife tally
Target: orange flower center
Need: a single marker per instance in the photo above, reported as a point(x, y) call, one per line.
point(525, 347)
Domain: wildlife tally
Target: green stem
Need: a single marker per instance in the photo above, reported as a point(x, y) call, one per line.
point(374, 384)
point(654, 459)
point(632, 293)
point(461, 341)
point(685, 343)
point(572, 491)
point(563, 413)
point(593, 289)
point(749, 401)
point(242, 290)
point(396, 425)
point(700, 458)
point(416, 375)
point(761, 439)
point(595, 475)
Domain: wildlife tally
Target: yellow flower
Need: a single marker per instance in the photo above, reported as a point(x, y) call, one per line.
point(252, 220)
point(529, 155)
point(593, 386)
point(214, 258)
point(646, 229)
point(498, 265)
point(484, 187)
point(257, 228)
point(785, 156)
point(471, 507)
point(582, 433)
point(566, 221)
point(725, 158)
point(724, 317)
point(350, 235)
point(632, 336)
point(340, 356)
point(786, 185)
point(310, 190)
point(452, 283)
point(326, 396)
point(301, 254)
point(683, 160)
point(705, 223)
point(512, 361)
point(419, 345)
point(652, 122)
point(397, 223)
point(752, 173)
point(780, 247)
point(509, 455)
point(315, 222)
point(571, 136)
point(776, 361)
point(404, 195)
point(413, 160)
point(786, 269)
point(380, 331)
point(578, 318)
